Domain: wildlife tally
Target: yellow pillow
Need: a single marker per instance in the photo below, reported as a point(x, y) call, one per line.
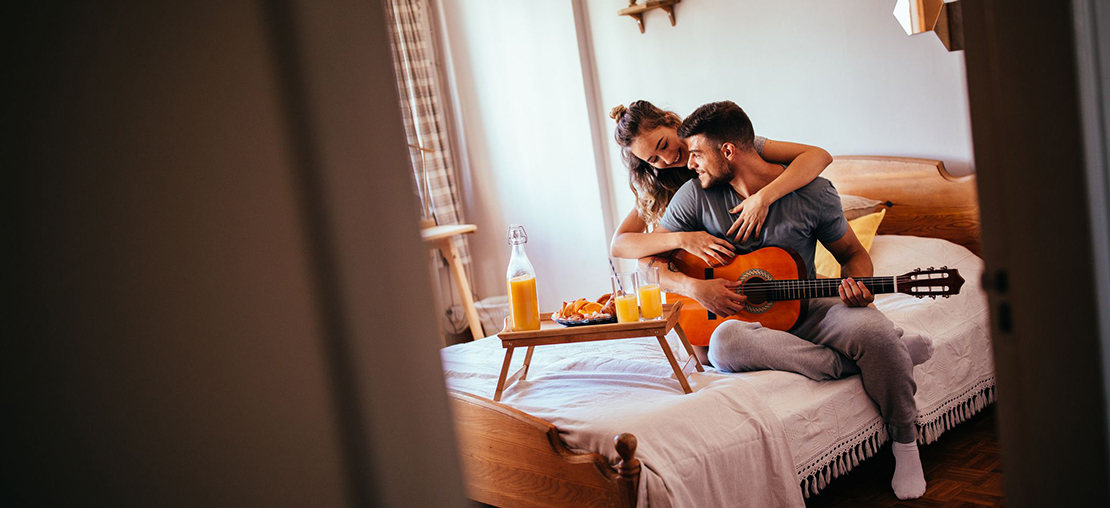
point(865, 228)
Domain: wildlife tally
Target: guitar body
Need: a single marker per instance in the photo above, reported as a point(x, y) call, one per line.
point(768, 263)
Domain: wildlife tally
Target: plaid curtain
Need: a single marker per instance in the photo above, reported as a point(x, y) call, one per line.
point(422, 106)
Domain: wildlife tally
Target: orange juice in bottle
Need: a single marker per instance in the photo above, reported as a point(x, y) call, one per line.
point(524, 308)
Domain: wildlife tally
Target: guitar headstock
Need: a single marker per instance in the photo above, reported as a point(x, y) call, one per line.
point(931, 282)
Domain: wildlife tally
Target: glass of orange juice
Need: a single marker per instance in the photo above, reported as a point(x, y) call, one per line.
point(624, 294)
point(647, 287)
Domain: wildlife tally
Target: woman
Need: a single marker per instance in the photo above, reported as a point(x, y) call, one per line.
point(656, 158)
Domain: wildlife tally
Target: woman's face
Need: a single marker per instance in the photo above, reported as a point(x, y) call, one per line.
point(661, 147)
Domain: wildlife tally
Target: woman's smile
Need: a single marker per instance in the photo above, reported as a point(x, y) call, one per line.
point(678, 158)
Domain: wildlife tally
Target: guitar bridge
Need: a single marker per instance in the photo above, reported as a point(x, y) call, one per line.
point(709, 276)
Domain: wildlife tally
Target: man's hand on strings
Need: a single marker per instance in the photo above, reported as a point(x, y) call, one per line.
point(854, 293)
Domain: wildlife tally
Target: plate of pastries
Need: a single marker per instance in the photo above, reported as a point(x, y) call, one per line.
point(587, 312)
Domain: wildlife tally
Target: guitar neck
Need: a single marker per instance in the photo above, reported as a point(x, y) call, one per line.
point(803, 289)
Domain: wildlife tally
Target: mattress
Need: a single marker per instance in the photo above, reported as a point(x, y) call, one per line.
point(747, 438)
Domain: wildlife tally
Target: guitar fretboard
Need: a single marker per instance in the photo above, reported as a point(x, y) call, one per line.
point(777, 290)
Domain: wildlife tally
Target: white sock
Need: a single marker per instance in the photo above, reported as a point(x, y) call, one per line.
point(909, 477)
point(919, 346)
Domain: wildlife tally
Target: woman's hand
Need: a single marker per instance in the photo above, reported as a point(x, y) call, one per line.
point(709, 248)
point(753, 211)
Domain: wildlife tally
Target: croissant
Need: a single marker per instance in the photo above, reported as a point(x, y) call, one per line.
point(584, 309)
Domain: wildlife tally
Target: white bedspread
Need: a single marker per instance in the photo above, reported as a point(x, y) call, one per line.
point(743, 439)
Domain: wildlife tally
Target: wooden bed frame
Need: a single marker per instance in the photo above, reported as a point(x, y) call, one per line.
point(511, 458)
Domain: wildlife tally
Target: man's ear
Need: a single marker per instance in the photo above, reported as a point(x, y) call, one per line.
point(728, 150)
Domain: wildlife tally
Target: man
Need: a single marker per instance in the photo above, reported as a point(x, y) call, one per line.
point(720, 138)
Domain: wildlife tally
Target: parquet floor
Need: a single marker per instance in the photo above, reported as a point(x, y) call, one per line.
point(963, 469)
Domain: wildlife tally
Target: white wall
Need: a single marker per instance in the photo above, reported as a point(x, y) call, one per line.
point(521, 97)
point(840, 74)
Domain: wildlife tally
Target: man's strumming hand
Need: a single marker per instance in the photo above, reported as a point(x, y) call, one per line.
point(718, 296)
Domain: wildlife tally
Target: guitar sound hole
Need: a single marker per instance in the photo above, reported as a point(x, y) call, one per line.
point(756, 295)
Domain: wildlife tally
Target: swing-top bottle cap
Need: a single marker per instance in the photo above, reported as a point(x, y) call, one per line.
point(517, 235)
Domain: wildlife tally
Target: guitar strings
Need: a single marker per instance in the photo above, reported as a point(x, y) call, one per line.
point(799, 283)
point(808, 286)
point(795, 286)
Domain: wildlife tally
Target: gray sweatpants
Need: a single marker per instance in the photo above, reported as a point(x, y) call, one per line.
point(831, 342)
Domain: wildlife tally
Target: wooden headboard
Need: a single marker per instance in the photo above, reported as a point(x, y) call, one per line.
point(920, 197)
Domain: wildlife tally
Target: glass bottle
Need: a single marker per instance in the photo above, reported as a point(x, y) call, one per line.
point(524, 309)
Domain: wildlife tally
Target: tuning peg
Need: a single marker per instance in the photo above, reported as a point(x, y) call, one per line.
point(947, 296)
point(920, 296)
point(933, 297)
point(945, 267)
point(931, 268)
point(917, 269)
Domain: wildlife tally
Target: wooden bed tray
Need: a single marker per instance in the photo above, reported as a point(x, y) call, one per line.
point(511, 458)
point(551, 332)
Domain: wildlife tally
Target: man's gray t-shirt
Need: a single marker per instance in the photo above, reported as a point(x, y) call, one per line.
point(797, 221)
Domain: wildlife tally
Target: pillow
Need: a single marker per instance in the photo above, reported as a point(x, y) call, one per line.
point(857, 206)
point(865, 228)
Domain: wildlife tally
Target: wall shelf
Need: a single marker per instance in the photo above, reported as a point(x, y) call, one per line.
point(636, 11)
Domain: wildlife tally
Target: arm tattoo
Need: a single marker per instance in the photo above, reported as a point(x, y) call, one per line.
point(670, 263)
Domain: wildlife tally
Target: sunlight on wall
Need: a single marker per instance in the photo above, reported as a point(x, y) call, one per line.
point(522, 102)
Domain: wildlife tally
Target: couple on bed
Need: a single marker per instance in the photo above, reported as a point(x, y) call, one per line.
point(711, 187)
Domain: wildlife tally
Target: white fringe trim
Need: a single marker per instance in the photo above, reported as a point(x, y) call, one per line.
point(847, 455)
point(956, 410)
point(843, 458)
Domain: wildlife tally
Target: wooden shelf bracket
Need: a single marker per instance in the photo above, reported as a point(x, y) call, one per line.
point(636, 11)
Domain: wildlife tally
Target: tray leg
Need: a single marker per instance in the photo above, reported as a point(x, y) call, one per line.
point(674, 364)
point(504, 373)
point(686, 343)
point(527, 362)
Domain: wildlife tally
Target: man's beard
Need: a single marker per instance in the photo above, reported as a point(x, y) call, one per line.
point(716, 179)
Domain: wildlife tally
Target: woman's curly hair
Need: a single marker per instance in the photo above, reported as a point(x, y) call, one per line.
point(653, 188)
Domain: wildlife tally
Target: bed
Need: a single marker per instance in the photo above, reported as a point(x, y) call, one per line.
point(600, 424)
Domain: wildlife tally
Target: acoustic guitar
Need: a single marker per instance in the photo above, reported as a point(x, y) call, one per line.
point(774, 281)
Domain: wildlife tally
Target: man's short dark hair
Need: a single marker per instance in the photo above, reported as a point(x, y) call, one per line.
point(720, 122)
